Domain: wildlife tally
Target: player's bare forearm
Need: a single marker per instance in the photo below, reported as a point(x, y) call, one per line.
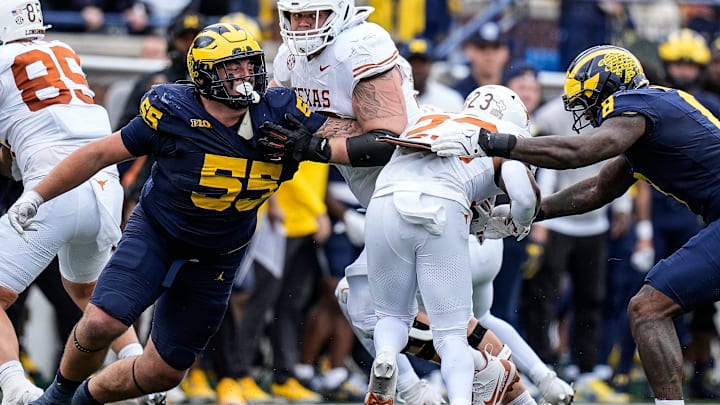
point(82, 164)
point(379, 102)
point(558, 152)
point(590, 194)
point(614, 137)
point(339, 127)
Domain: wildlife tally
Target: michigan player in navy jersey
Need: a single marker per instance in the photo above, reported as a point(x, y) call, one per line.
point(662, 136)
point(197, 211)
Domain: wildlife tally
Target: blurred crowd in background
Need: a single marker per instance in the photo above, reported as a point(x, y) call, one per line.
point(566, 287)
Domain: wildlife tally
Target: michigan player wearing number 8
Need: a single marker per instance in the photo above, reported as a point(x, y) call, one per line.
point(48, 112)
point(663, 136)
point(197, 211)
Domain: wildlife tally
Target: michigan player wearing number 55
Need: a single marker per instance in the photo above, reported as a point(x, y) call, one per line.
point(197, 211)
point(662, 136)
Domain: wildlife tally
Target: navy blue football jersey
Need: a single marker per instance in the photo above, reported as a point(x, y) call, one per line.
point(208, 181)
point(679, 154)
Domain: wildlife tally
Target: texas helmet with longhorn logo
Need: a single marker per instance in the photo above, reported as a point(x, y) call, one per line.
point(596, 74)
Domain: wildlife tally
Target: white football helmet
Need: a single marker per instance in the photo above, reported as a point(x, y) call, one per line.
point(310, 41)
point(499, 102)
point(21, 19)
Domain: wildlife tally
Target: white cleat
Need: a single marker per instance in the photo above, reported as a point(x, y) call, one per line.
point(492, 382)
point(555, 391)
point(22, 394)
point(383, 380)
point(421, 393)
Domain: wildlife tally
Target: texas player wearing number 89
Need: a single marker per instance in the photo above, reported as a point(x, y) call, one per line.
point(47, 113)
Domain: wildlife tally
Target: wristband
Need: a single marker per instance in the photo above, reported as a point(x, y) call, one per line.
point(644, 230)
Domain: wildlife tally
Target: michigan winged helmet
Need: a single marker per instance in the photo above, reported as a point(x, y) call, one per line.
point(215, 47)
point(595, 75)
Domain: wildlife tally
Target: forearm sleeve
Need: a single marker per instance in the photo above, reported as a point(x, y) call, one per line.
point(365, 151)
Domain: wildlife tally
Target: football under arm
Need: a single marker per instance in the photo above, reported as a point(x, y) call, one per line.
point(614, 179)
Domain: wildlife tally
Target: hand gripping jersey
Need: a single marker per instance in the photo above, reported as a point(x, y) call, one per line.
point(679, 154)
point(208, 180)
point(461, 179)
point(327, 81)
point(46, 107)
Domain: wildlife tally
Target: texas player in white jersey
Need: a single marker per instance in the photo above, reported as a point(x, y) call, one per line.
point(46, 112)
point(416, 237)
point(339, 78)
point(343, 66)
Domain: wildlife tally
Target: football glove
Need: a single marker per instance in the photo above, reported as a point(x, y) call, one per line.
point(22, 212)
point(480, 215)
point(465, 144)
point(502, 224)
point(293, 140)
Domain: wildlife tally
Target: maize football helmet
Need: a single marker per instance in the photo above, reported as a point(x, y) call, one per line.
point(21, 19)
point(499, 102)
point(685, 45)
point(593, 76)
point(307, 42)
point(212, 49)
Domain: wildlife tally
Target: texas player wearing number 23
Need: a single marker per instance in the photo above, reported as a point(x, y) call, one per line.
point(185, 239)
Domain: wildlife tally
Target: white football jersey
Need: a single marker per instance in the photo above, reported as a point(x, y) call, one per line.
point(464, 180)
point(327, 80)
point(46, 105)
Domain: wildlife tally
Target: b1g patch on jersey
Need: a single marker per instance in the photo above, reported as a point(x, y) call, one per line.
point(290, 61)
point(197, 122)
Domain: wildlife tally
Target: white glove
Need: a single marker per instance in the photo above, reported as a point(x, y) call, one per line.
point(554, 390)
point(463, 143)
point(480, 216)
point(502, 224)
point(354, 227)
point(22, 212)
point(642, 260)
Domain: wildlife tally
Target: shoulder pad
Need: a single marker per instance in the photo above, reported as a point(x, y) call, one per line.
point(281, 73)
point(169, 98)
point(366, 44)
point(277, 97)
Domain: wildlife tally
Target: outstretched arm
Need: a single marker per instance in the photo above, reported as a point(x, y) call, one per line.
point(614, 179)
point(82, 164)
point(612, 138)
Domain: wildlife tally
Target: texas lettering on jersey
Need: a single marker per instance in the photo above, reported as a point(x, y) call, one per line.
point(315, 98)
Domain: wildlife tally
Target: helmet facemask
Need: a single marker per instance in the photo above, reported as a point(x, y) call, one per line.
point(306, 42)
